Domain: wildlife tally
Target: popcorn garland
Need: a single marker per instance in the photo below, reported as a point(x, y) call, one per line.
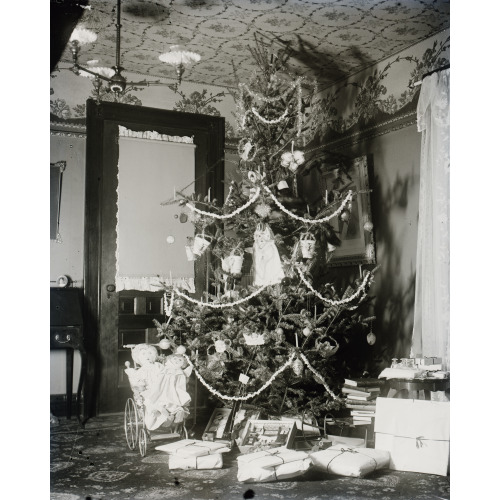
point(280, 370)
point(227, 216)
point(215, 392)
point(318, 375)
point(360, 290)
point(347, 200)
point(270, 122)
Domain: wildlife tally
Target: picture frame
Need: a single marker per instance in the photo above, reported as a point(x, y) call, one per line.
point(56, 175)
point(356, 234)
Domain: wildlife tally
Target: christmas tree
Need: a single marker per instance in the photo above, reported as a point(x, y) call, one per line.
point(285, 340)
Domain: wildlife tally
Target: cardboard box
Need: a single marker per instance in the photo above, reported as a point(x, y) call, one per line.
point(416, 433)
point(272, 433)
point(216, 427)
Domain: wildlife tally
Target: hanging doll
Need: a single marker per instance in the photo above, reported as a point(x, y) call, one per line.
point(162, 387)
point(266, 260)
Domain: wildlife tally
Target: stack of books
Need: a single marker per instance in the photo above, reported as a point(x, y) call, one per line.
point(361, 395)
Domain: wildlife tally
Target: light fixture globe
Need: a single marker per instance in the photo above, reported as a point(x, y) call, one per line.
point(179, 57)
point(117, 83)
point(82, 36)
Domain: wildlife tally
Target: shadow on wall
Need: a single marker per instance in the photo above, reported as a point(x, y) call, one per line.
point(395, 294)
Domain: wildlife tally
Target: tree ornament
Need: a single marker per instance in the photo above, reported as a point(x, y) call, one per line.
point(279, 330)
point(180, 350)
point(371, 338)
point(222, 345)
point(262, 210)
point(266, 259)
point(297, 367)
point(178, 302)
point(306, 331)
point(345, 216)
point(164, 344)
point(368, 226)
point(292, 160)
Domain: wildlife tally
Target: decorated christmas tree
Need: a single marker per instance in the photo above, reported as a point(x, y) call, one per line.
point(278, 336)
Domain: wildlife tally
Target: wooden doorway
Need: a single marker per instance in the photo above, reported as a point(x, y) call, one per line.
point(108, 318)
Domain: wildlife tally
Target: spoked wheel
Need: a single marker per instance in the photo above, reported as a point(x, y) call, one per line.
point(131, 423)
point(143, 442)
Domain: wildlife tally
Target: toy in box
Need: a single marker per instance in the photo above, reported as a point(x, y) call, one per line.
point(265, 434)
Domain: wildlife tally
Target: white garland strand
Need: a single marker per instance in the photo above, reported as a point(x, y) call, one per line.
point(268, 100)
point(359, 291)
point(221, 306)
point(215, 392)
point(227, 216)
point(347, 199)
point(270, 122)
point(315, 372)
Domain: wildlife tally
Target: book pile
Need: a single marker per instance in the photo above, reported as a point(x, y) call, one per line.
point(361, 395)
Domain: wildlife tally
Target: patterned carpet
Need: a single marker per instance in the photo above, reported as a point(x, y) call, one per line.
point(94, 463)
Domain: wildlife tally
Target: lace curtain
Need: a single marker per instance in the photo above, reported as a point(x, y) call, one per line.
point(431, 328)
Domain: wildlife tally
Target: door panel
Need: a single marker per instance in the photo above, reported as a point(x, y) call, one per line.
point(103, 303)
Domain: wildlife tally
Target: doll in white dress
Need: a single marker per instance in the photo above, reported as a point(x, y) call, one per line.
point(162, 386)
point(266, 260)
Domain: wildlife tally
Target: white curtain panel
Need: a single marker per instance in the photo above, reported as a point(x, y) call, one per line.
point(431, 328)
point(150, 240)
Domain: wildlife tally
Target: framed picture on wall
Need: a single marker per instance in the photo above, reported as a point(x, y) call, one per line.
point(356, 232)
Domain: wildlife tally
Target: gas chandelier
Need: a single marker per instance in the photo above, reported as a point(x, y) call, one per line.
point(177, 57)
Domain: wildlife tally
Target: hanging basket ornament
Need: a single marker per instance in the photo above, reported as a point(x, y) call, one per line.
point(325, 347)
point(201, 243)
point(307, 244)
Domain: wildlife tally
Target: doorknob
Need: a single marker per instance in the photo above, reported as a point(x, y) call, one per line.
point(110, 288)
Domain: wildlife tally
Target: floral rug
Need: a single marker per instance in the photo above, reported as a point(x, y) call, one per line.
point(95, 463)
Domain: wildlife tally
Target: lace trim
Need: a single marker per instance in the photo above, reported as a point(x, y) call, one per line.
point(153, 135)
point(152, 283)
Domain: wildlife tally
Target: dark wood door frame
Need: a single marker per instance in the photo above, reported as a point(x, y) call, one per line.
point(101, 302)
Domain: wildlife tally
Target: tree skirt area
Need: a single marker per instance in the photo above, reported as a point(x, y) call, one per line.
point(95, 462)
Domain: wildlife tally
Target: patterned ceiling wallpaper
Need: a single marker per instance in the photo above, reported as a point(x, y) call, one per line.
point(327, 39)
point(376, 94)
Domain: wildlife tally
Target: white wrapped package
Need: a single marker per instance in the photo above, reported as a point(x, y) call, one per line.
point(272, 465)
point(350, 462)
point(249, 473)
point(416, 433)
point(213, 461)
point(193, 448)
point(403, 372)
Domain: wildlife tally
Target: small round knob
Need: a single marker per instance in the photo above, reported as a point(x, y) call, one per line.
point(110, 288)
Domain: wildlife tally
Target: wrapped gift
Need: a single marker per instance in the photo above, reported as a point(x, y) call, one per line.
point(427, 361)
point(416, 433)
point(213, 461)
point(272, 465)
point(353, 462)
point(404, 372)
point(347, 442)
point(193, 448)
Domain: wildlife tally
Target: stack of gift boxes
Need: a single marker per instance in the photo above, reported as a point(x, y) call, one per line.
point(410, 435)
